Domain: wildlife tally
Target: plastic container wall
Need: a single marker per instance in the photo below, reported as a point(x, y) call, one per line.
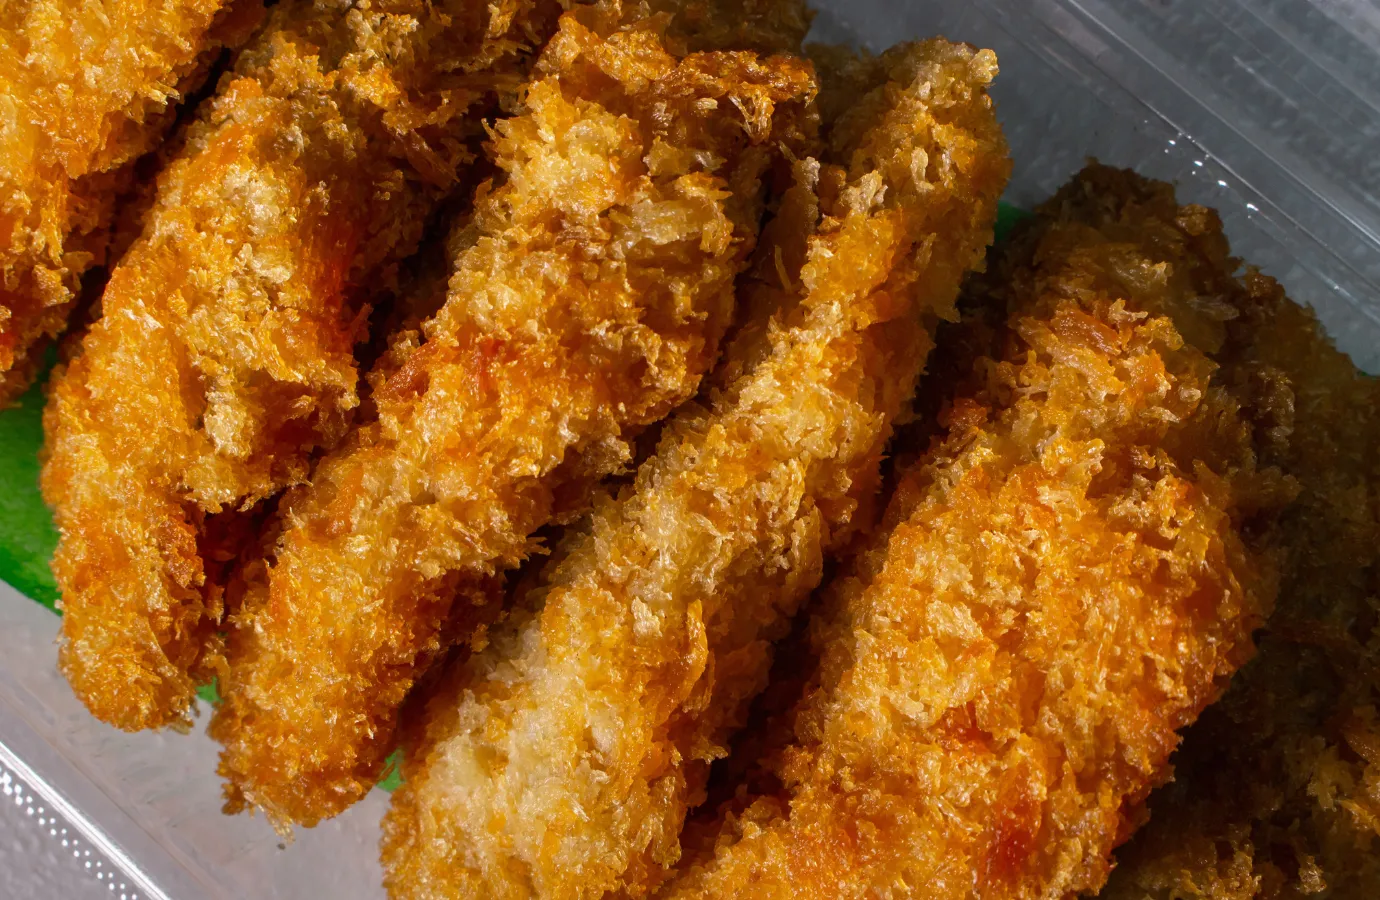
point(1268, 110)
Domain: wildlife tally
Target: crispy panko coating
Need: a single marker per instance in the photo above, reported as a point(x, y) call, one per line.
point(224, 354)
point(87, 88)
point(769, 26)
point(561, 760)
point(1059, 585)
point(748, 771)
point(588, 302)
point(1277, 789)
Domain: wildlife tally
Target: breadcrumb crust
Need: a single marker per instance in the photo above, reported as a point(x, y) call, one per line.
point(590, 296)
point(224, 354)
point(1060, 584)
point(561, 760)
point(1277, 789)
point(85, 89)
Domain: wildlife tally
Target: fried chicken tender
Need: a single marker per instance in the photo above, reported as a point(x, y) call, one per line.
point(591, 297)
point(1277, 789)
point(560, 761)
point(224, 354)
point(1060, 583)
point(88, 88)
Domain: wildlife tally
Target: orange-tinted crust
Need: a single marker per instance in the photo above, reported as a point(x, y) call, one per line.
point(224, 354)
point(561, 760)
point(1276, 791)
point(767, 26)
point(592, 289)
point(87, 88)
point(1059, 585)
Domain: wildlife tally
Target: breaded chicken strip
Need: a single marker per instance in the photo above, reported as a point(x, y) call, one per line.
point(593, 289)
point(1277, 789)
point(561, 760)
point(85, 89)
point(225, 351)
point(1060, 584)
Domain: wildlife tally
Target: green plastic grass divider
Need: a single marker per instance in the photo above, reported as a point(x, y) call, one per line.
point(27, 535)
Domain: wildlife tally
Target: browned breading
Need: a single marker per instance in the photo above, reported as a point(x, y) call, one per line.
point(1276, 791)
point(85, 89)
point(1059, 585)
point(768, 26)
point(593, 288)
point(560, 761)
point(224, 354)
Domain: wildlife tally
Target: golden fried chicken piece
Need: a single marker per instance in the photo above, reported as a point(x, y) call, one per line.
point(594, 286)
point(561, 760)
point(1277, 789)
point(1060, 584)
point(88, 88)
point(224, 353)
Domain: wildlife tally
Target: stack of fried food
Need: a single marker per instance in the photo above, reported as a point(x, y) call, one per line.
point(503, 380)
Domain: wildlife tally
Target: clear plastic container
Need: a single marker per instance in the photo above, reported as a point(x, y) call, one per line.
point(1268, 110)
